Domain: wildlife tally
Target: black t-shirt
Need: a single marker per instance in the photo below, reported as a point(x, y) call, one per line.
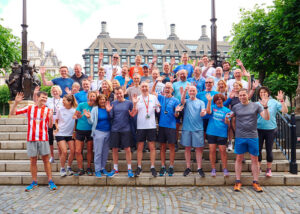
point(79, 79)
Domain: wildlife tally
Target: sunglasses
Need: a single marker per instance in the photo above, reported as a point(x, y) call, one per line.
point(116, 57)
point(208, 82)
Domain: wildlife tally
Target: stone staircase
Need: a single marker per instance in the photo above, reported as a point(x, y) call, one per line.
point(15, 166)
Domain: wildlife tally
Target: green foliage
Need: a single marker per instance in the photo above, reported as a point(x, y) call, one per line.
point(266, 40)
point(46, 89)
point(10, 49)
point(4, 94)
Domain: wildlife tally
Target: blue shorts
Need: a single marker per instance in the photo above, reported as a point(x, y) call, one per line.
point(192, 138)
point(243, 145)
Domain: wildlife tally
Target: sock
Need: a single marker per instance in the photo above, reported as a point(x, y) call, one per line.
point(163, 166)
point(152, 166)
point(237, 181)
point(129, 166)
point(171, 166)
point(139, 166)
point(199, 168)
point(62, 168)
point(116, 167)
point(68, 167)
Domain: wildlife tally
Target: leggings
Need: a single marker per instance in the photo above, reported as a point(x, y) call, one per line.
point(101, 149)
point(267, 136)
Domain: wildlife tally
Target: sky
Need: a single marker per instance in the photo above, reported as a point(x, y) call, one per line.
point(70, 26)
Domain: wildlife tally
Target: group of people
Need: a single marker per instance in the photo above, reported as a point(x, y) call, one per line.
point(121, 108)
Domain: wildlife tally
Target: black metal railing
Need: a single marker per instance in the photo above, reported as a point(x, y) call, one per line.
point(286, 139)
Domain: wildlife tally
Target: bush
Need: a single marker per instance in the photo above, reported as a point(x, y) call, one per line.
point(4, 94)
point(46, 89)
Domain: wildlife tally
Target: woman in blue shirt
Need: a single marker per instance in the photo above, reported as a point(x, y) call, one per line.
point(217, 130)
point(267, 128)
point(100, 121)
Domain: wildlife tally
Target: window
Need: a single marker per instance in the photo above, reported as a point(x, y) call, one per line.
point(123, 59)
point(123, 51)
point(96, 59)
point(168, 52)
point(150, 52)
point(132, 60)
point(159, 52)
point(87, 51)
point(176, 52)
point(168, 59)
point(202, 52)
point(114, 50)
point(159, 60)
point(105, 60)
point(193, 52)
point(141, 51)
point(192, 47)
point(87, 60)
point(158, 46)
point(95, 69)
point(87, 69)
point(225, 52)
point(132, 51)
point(96, 51)
point(105, 50)
point(177, 59)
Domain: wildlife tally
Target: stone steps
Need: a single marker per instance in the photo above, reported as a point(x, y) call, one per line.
point(24, 178)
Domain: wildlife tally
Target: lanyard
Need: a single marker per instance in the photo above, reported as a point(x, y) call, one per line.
point(146, 104)
point(166, 103)
point(55, 105)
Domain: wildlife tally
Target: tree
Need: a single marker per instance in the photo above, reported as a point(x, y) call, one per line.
point(10, 49)
point(267, 39)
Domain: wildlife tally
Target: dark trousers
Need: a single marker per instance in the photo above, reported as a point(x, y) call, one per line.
point(268, 137)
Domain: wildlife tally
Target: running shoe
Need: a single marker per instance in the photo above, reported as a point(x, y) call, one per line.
point(98, 174)
point(257, 187)
point(103, 171)
point(113, 173)
point(31, 186)
point(201, 173)
point(80, 172)
point(213, 173)
point(89, 171)
point(51, 160)
point(69, 171)
point(268, 172)
point(153, 172)
point(186, 172)
point(63, 172)
point(170, 171)
point(162, 171)
point(51, 185)
point(226, 173)
point(237, 186)
point(229, 147)
point(130, 173)
point(138, 171)
point(244, 160)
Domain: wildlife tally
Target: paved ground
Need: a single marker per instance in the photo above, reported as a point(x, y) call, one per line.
point(76, 199)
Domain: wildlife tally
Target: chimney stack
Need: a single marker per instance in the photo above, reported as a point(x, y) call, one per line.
point(43, 49)
point(140, 34)
point(203, 36)
point(103, 33)
point(172, 36)
point(103, 27)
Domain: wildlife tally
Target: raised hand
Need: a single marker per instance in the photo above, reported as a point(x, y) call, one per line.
point(208, 97)
point(101, 56)
point(239, 62)
point(42, 70)
point(200, 61)
point(172, 61)
point(86, 113)
point(127, 79)
point(114, 73)
point(68, 91)
point(179, 108)
point(108, 106)
point(194, 63)
point(280, 96)
point(172, 79)
point(19, 97)
point(187, 87)
point(264, 101)
point(203, 113)
point(154, 60)
point(77, 115)
point(255, 84)
point(134, 99)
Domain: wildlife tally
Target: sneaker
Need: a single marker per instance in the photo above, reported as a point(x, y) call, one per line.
point(31, 186)
point(244, 160)
point(138, 171)
point(113, 173)
point(237, 187)
point(213, 173)
point(226, 173)
point(186, 172)
point(229, 147)
point(268, 173)
point(130, 173)
point(63, 172)
point(170, 171)
point(51, 160)
point(257, 187)
point(103, 171)
point(89, 171)
point(80, 172)
point(51, 185)
point(153, 171)
point(201, 173)
point(98, 174)
point(69, 171)
point(162, 171)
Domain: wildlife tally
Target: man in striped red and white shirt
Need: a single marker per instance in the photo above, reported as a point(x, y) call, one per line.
point(39, 119)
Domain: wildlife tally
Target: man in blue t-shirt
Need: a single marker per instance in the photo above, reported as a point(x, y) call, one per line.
point(167, 127)
point(63, 82)
point(124, 77)
point(184, 65)
point(82, 96)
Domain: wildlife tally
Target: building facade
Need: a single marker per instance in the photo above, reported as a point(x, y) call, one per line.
point(39, 57)
point(164, 49)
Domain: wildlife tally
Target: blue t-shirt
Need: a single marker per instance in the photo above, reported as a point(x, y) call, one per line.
point(187, 67)
point(200, 83)
point(167, 118)
point(216, 125)
point(202, 96)
point(81, 96)
point(192, 121)
point(122, 81)
point(82, 123)
point(63, 83)
point(273, 106)
point(176, 87)
point(103, 120)
point(120, 117)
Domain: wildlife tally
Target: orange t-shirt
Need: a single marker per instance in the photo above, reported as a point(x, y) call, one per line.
point(140, 71)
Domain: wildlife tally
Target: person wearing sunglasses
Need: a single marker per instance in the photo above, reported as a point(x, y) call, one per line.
point(113, 69)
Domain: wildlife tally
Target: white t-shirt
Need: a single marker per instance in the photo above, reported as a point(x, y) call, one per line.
point(147, 120)
point(54, 104)
point(109, 70)
point(232, 81)
point(96, 85)
point(66, 122)
point(211, 71)
point(159, 88)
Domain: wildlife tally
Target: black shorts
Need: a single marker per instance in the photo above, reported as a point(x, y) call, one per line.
point(205, 124)
point(65, 138)
point(83, 135)
point(146, 134)
point(120, 139)
point(166, 135)
point(216, 140)
point(50, 134)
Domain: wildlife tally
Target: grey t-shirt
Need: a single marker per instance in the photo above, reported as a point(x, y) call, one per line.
point(133, 90)
point(120, 116)
point(246, 119)
point(147, 79)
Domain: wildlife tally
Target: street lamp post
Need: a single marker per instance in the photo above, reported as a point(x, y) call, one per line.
point(213, 27)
